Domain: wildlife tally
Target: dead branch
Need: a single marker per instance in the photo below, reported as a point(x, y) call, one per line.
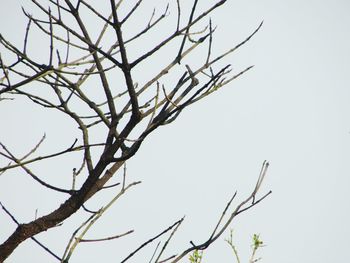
point(243, 206)
point(152, 239)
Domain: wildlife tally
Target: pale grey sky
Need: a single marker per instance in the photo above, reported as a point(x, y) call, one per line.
point(291, 109)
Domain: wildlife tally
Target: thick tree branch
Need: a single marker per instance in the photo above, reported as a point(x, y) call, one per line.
point(136, 114)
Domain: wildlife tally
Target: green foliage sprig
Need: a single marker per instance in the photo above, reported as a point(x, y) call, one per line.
point(196, 256)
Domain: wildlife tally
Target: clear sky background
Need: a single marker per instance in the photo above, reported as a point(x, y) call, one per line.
point(291, 109)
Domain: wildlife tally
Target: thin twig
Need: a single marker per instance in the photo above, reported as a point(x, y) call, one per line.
point(151, 240)
point(106, 238)
point(239, 209)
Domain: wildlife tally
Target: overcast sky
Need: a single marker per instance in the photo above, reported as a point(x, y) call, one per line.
point(291, 109)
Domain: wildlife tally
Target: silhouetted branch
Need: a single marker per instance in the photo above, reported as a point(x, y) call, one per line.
point(152, 239)
point(218, 231)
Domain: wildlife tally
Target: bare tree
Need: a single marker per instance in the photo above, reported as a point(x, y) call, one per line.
point(84, 59)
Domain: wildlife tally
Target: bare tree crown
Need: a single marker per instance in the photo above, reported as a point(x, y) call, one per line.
point(88, 73)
